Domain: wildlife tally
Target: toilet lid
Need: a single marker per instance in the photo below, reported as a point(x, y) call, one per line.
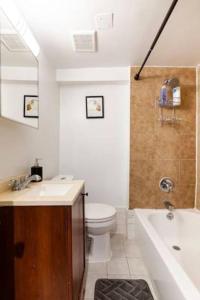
point(98, 211)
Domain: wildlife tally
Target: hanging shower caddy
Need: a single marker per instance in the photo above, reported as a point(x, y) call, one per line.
point(170, 99)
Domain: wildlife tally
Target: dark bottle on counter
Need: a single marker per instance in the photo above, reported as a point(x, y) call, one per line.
point(37, 169)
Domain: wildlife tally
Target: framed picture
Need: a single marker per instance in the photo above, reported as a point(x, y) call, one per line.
point(94, 107)
point(31, 106)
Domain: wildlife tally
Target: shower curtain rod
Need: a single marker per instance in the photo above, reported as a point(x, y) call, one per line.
point(137, 76)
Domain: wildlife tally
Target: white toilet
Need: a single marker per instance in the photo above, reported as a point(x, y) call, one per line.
point(100, 221)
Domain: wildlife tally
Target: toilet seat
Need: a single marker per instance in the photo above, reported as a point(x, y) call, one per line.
point(99, 221)
point(99, 213)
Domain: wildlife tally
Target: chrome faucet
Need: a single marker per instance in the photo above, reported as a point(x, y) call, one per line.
point(23, 182)
point(168, 205)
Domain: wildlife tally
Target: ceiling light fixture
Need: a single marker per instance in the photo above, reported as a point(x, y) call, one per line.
point(18, 22)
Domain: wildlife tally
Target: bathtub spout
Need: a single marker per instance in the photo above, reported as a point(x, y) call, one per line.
point(171, 208)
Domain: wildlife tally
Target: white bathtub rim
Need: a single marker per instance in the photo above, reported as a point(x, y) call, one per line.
point(181, 278)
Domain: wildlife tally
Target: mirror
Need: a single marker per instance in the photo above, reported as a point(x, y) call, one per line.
point(19, 100)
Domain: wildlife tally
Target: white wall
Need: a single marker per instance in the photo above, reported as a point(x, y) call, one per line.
point(19, 145)
point(19, 73)
point(97, 150)
point(12, 101)
point(91, 75)
point(15, 83)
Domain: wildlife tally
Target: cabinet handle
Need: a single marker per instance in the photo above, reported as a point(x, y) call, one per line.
point(84, 194)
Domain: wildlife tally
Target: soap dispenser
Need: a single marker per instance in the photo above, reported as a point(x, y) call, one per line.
point(37, 169)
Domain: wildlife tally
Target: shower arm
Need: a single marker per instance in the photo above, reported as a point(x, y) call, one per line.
point(137, 76)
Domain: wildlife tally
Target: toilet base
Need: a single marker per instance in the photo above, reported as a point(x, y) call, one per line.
point(100, 248)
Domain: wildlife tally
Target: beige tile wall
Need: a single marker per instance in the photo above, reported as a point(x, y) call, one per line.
point(162, 150)
point(198, 141)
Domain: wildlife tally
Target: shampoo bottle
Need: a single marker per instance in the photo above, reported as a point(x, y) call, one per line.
point(37, 169)
point(176, 96)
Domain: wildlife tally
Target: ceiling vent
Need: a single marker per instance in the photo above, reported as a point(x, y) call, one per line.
point(84, 41)
point(13, 43)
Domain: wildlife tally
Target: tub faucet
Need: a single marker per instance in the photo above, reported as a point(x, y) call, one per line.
point(171, 208)
point(23, 182)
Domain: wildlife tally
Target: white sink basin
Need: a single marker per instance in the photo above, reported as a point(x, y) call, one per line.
point(50, 190)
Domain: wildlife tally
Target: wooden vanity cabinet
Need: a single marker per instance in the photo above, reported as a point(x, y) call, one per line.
point(42, 252)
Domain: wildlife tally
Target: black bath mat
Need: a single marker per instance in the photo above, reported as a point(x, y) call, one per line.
point(122, 289)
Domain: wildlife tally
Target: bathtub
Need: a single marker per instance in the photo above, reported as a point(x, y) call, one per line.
point(175, 273)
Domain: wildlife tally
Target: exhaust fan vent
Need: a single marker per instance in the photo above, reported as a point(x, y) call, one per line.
point(12, 42)
point(84, 41)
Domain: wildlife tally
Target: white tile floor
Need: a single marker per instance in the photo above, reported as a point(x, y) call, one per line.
point(126, 262)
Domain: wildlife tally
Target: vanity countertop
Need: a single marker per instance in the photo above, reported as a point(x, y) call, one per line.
point(30, 196)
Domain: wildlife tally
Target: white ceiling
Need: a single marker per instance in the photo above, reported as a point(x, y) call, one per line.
point(135, 24)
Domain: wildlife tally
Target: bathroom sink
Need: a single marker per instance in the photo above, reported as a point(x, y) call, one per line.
point(50, 190)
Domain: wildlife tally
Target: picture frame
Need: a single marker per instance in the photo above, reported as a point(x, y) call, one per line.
point(31, 106)
point(94, 107)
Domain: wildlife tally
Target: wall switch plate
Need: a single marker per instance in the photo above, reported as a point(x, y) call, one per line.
point(104, 21)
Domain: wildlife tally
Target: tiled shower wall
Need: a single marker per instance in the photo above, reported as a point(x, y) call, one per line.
point(162, 150)
point(198, 139)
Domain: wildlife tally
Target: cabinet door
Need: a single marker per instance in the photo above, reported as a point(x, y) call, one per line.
point(35, 250)
point(40, 264)
point(7, 284)
point(78, 246)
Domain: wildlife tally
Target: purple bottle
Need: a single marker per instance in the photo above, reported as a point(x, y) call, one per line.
point(163, 95)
